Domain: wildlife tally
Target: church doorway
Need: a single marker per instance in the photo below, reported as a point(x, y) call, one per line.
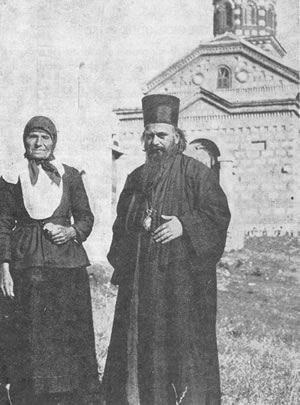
point(205, 151)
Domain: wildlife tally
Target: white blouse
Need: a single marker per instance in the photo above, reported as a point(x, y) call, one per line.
point(41, 199)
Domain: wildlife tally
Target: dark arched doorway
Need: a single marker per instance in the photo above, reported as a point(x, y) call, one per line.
point(207, 152)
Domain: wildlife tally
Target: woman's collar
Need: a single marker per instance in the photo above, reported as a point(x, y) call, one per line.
point(12, 172)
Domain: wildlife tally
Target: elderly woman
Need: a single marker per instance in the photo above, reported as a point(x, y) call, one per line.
point(44, 219)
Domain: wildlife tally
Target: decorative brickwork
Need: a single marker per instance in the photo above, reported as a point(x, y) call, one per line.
point(246, 18)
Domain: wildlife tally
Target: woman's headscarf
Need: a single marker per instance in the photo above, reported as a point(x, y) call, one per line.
point(43, 124)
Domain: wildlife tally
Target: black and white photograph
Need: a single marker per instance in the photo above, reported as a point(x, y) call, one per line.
point(149, 202)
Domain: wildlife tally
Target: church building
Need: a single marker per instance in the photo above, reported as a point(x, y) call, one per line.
point(239, 111)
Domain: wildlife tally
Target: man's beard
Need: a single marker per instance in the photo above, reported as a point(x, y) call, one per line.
point(156, 155)
point(156, 159)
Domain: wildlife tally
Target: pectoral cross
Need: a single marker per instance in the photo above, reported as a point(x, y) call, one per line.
point(148, 219)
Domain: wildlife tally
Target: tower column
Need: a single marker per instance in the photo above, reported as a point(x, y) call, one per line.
point(246, 18)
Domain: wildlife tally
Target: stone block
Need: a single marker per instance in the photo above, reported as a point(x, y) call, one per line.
point(280, 152)
point(279, 186)
point(244, 197)
point(276, 141)
point(246, 163)
point(252, 169)
point(260, 164)
point(279, 212)
point(279, 136)
point(252, 214)
point(272, 163)
point(286, 144)
point(287, 168)
point(268, 185)
point(273, 195)
point(253, 154)
point(240, 154)
point(267, 153)
point(252, 186)
point(290, 211)
point(258, 145)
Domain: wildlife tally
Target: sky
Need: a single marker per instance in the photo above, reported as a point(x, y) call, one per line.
point(141, 38)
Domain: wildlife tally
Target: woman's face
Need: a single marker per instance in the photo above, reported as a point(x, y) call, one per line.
point(38, 144)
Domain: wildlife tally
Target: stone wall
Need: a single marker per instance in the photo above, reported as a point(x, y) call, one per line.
point(263, 186)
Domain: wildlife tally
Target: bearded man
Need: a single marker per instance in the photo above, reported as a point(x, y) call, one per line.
point(170, 232)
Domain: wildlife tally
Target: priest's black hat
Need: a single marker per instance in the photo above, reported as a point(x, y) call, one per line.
point(160, 109)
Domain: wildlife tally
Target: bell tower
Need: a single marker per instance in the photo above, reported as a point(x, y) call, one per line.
point(245, 18)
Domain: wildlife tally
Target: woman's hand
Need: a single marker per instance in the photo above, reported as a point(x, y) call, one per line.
point(60, 234)
point(6, 281)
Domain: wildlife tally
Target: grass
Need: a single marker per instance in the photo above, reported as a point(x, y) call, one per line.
point(258, 321)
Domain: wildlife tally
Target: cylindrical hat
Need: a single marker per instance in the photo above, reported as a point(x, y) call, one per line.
point(160, 109)
point(41, 123)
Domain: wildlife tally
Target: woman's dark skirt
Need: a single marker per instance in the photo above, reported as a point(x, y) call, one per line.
point(49, 348)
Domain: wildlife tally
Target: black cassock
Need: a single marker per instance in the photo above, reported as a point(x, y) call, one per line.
point(163, 346)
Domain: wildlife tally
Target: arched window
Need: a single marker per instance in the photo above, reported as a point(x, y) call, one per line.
point(270, 19)
point(228, 12)
point(223, 18)
point(250, 14)
point(224, 78)
point(217, 19)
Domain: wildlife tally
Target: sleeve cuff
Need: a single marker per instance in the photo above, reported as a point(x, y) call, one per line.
point(77, 238)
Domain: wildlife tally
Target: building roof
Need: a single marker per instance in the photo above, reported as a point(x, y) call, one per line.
point(220, 104)
point(229, 44)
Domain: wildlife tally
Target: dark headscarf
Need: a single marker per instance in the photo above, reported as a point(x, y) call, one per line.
point(42, 124)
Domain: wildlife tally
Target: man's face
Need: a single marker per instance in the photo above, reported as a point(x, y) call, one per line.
point(159, 139)
point(38, 144)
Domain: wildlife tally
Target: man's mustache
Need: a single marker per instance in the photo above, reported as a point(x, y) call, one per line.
point(154, 148)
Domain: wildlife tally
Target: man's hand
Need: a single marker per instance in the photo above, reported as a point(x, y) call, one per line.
point(6, 281)
point(60, 234)
point(168, 231)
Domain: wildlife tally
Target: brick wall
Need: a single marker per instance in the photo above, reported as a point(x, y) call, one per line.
point(264, 189)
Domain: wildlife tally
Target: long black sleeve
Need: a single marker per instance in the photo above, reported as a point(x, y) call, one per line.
point(7, 221)
point(80, 208)
point(205, 225)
